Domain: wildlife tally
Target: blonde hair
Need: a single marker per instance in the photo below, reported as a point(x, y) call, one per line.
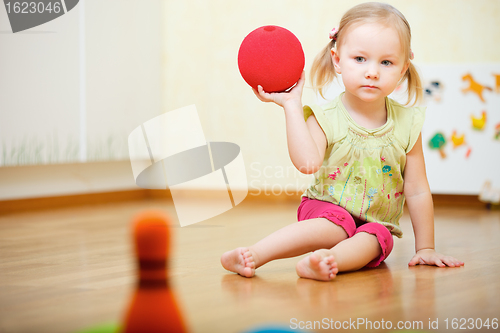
point(323, 71)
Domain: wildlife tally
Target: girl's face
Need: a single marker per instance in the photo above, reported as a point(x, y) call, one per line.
point(370, 60)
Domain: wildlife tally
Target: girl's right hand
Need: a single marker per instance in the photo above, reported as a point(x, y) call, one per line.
point(283, 98)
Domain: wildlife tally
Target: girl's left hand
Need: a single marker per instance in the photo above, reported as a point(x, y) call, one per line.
point(432, 258)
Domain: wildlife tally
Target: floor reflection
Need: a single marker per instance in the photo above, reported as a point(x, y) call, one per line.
point(373, 293)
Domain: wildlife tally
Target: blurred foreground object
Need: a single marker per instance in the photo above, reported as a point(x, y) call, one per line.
point(153, 307)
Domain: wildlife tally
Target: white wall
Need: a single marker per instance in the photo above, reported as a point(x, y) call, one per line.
point(40, 82)
point(40, 97)
point(39, 90)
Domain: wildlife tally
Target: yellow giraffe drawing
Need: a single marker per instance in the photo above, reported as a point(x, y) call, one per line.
point(474, 86)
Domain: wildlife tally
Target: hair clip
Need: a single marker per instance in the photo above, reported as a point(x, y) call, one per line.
point(333, 34)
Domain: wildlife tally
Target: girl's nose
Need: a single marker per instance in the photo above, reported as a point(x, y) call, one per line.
point(372, 72)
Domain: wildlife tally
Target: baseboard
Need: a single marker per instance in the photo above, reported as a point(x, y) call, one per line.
point(457, 200)
point(29, 204)
point(19, 205)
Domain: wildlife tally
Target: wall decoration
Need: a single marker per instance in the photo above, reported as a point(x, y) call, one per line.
point(458, 140)
point(462, 127)
point(438, 142)
point(467, 154)
point(433, 90)
point(497, 132)
point(497, 83)
point(474, 87)
point(479, 123)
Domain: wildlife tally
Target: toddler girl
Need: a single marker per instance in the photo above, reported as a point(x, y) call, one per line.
point(365, 151)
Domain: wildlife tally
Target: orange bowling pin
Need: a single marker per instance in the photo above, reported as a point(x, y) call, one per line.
point(153, 307)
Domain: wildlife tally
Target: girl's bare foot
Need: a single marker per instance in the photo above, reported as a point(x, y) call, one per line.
point(320, 265)
point(240, 261)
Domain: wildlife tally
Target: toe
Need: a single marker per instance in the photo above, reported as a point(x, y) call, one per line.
point(330, 260)
point(314, 259)
point(248, 272)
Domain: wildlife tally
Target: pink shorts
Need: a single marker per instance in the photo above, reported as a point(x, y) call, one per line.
point(311, 209)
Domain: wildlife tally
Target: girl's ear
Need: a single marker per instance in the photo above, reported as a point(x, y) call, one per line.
point(405, 68)
point(335, 60)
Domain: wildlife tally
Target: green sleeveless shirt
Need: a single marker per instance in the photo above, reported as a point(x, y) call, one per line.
point(363, 168)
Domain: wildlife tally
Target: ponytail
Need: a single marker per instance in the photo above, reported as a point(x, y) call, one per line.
point(322, 70)
point(414, 85)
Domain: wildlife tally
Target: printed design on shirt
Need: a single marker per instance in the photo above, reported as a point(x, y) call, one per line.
point(371, 189)
point(331, 190)
point(358, 182)
point(371, 194)
point(386, 169)
point(363, 202)
point(333, 175)
point(346, 182)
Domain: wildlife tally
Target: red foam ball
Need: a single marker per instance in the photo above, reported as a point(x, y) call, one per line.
point(272, 57)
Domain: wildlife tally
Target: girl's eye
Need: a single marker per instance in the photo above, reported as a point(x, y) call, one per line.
point(359, 59)
point(386, 63)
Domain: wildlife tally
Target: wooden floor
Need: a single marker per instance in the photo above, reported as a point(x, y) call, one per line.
point(67, 269)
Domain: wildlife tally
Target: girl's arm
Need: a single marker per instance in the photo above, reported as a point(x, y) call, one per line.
point(306, 140)
point(419, 200)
